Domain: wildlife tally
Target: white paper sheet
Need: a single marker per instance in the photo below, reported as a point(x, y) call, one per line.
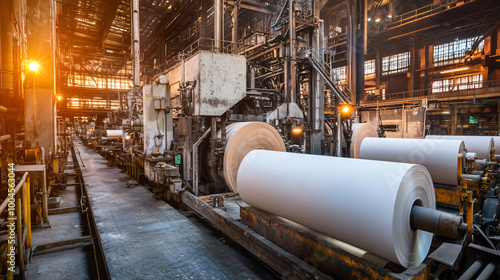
point(439, 156)
point(362, 202)
point(481, 145)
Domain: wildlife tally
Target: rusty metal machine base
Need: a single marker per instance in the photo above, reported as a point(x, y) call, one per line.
point(290, 249)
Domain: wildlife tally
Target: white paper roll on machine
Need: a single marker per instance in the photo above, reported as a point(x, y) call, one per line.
point(440, 157)
point(114, 133)
point(365, 203)
point(481, 145)
point(244, 137)
point(359, 132)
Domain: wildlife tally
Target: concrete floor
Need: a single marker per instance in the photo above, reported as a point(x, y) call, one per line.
point(144, 238)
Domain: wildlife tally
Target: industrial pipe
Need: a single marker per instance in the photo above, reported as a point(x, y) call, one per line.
point(437, 222)
point(472, 270)
point(487, 271)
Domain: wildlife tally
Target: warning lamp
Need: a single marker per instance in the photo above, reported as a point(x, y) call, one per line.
point(33, 66)
point(58, 97)
point(297, 130)
point(345, 109)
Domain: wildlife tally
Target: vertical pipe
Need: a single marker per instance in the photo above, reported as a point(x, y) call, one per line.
point(27, 200)
point(317, 101)
point(292, 33)
point(136, 66)
point(339, 132)
point(45, 211)
point(235, 27)
point(218, 24)
point(352, 32)
point(53, 16)
point(361, 48)
point(19, 233)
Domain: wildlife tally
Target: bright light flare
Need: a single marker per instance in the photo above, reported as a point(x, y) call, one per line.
point(297, 130)
point(33, 66)
point(128, 137)
point(345, 109)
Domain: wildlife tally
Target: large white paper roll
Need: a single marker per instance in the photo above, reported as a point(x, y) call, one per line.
point(481, 145)
point(242, 138)
point(114, 133)
point(439, 156)
point(362, 202)
point(359, 132)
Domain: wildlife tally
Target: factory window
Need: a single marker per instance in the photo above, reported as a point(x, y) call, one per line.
point(459, 83)
point(340, 74)
point(370, 69)
point(454, 52)
point(395, 63)
point(92, 103)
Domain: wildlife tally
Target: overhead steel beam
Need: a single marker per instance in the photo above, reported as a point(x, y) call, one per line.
point(110, 14)
point(253, 6)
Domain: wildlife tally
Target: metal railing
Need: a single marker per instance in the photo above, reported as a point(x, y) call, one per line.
point(22, 218)
point(454, 90)
point(422, 12)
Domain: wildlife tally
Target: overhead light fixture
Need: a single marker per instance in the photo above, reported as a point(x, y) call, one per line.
point(445, 112)
point(170, 7)
point(377, 20)
point(110, 51)
point(127, 137)
point(454, 70)
point(389, 16)
point(369, 19)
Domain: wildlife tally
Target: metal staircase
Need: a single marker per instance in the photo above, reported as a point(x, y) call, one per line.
point(326, 73)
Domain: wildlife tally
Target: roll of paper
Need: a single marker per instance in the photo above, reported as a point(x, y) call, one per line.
point(244, 137)
point(114, 133)
point(481, 145)
point(439, 156)
point(359, 132)
point(364, 203)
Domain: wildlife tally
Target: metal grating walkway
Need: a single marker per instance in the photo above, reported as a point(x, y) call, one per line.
point(144, 238)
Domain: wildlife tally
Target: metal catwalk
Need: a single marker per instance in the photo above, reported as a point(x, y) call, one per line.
point(144, 238)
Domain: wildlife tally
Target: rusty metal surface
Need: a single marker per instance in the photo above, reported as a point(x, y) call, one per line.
point(448, 196)
point(311, 247)
point(286, 264)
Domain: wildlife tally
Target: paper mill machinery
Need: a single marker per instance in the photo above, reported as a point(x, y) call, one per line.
point(197, 121)
point(464, 174)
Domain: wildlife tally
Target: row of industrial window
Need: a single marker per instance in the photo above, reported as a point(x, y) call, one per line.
point(454, 52)
point(390, 65)
point(448, 53)
point(459, 83)
point(87, 81)
point(92, 103)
